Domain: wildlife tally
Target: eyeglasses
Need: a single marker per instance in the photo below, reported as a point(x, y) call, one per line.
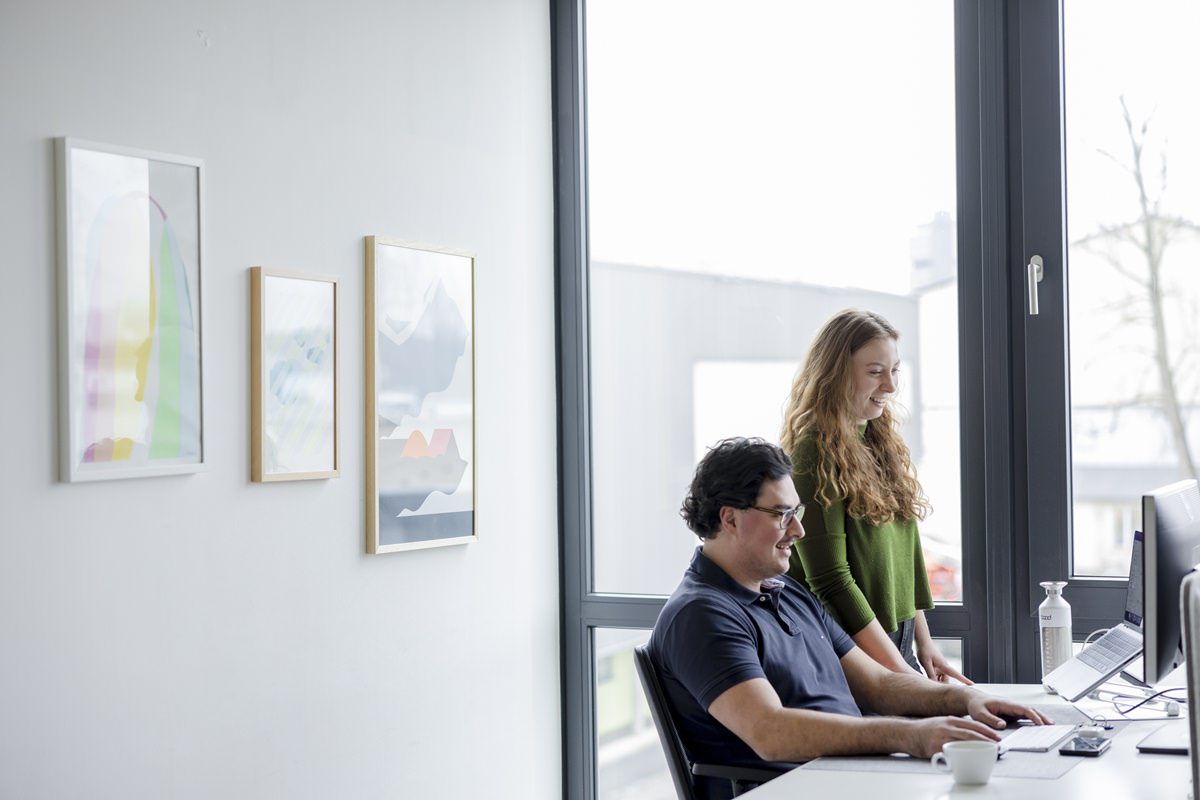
point(785, 517)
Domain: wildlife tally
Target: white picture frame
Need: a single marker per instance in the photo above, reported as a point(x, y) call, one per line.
point(130, 256)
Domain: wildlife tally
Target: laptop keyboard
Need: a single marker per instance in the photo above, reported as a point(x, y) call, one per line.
point(1111, 650)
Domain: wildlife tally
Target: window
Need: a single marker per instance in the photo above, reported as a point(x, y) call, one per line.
point(1133, 240)
point(630, 764)
point(729, 176)
point(725, 227)
point(1107, 196)
point(724, 187)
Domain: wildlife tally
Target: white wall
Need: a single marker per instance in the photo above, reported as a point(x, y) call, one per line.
point(202, 636)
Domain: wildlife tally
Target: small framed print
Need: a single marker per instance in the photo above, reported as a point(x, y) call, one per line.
point(130, 367)
point(294, 376)
point(420, 391)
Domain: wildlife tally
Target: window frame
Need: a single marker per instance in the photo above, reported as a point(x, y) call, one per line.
point(993, 619)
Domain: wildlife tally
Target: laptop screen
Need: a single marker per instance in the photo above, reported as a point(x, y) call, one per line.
point(1135, 597)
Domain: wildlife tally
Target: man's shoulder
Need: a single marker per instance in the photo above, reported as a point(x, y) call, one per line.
point(694, 613)
point(696, 596)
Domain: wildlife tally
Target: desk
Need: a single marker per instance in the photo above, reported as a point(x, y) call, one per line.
point(1120, 773)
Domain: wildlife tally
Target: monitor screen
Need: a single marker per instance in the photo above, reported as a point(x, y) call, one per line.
point(1171, 548)
point(1134, 605)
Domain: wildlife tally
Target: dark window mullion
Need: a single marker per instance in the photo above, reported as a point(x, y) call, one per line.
point(953, 621)
point(984, 355)
point(621, 611)
point(578, 710)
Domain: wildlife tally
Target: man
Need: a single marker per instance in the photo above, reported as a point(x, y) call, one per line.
point(753, 666)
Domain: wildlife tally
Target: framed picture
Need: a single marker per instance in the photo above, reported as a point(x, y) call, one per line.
point(130, 250)
point(420, 391)
point(293, 376)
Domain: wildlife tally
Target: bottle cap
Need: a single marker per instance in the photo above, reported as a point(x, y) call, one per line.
point(1053, 587)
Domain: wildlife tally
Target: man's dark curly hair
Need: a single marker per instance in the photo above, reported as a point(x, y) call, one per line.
point(731, 473)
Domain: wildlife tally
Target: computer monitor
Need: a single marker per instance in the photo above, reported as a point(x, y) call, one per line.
point(1171, 548)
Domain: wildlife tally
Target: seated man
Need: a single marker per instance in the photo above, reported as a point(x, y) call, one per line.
point(752, 665)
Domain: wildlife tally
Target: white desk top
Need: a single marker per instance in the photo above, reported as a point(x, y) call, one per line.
point(1122, 772)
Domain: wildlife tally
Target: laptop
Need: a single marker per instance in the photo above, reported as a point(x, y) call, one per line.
point(1109, 654)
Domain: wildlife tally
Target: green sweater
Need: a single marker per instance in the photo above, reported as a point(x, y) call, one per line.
point(859, 571)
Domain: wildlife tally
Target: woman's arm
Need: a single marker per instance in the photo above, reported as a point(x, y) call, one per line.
point(932, 661)
point(873, 641)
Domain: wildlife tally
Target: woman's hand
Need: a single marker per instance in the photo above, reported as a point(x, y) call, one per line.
point(936, 667)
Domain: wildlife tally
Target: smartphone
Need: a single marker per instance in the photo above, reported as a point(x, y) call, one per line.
point(1079, 746)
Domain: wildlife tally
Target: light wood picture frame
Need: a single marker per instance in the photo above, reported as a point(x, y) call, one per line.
point(294, 376)
point(420, 396)
point(130, 253)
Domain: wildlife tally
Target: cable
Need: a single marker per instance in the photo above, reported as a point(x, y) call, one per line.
point(1100, 631)
point(1124, 711)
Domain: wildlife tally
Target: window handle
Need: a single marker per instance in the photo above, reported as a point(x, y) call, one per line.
point(1034, 274)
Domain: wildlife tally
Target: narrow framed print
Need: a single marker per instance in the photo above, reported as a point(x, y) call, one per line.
point(293, 376)
point(130, 354)
point(420, 396)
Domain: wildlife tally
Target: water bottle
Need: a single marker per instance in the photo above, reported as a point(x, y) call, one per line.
point(1054, 624)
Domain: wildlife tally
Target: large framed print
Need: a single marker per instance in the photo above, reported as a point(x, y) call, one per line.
point(420, 396)
point(293, 376)
point(130, 354)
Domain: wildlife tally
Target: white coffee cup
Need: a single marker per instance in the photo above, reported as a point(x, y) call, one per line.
point(971, 762)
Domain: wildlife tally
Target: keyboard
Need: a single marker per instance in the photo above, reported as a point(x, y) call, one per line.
point(1111, 650)
point(1036, 738)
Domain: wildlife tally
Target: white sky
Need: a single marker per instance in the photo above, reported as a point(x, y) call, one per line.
point(769, 142)
point(801, 142)
point(795, 141)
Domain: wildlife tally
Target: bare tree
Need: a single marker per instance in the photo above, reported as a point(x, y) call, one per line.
point(1148, 236)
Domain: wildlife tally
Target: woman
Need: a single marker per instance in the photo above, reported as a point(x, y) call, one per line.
point(862, 553)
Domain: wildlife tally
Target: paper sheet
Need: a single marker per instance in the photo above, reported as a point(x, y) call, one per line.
point(1046, 766)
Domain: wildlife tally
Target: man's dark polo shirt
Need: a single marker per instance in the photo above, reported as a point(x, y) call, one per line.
point(714, 633)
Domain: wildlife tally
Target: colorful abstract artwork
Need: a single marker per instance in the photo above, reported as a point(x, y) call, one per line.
point(130, 338)
point(294, 376)
point(420, 389)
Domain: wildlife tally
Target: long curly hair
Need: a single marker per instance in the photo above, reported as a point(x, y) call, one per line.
point(872, 473)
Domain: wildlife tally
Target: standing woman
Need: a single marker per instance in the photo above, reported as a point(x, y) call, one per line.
point(862, 552)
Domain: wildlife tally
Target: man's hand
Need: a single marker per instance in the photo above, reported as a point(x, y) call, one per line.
point(992, 711)
point(928, 735)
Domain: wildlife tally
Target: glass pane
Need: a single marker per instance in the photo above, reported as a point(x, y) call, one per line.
point(746, 182)
point(629, 759)
point(1133, 215)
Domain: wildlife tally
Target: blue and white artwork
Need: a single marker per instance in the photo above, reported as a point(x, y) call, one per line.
point(423, 437)
point(295, 400)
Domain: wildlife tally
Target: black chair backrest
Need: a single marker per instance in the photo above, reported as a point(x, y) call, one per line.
point(668, 734)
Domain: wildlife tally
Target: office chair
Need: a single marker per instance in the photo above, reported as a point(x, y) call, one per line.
point(683, 772)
